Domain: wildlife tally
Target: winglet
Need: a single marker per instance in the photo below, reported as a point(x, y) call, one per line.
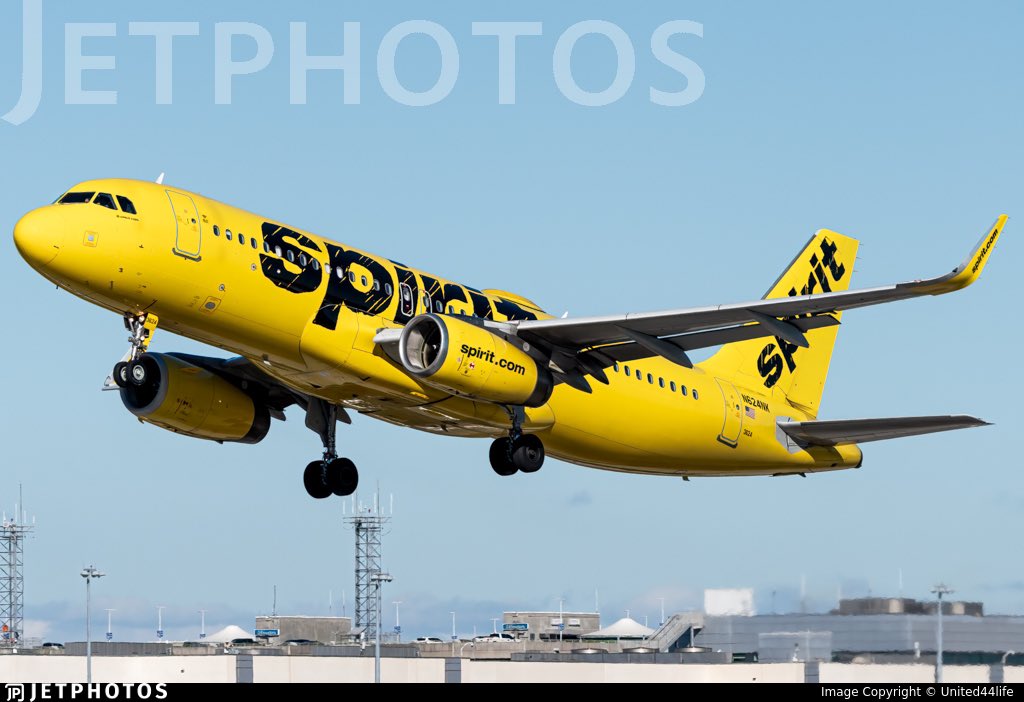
point(972, 266)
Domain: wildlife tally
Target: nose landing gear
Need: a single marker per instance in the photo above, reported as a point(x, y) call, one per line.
point(128, 371)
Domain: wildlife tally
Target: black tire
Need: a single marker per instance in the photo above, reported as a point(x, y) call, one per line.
point(500, 461)
point(528, 453)
point(342, 477)
point(313, 479)
point(120, 374)
point(137, 373)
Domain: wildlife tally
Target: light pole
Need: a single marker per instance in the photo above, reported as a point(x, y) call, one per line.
point(454, 637)
point(494, 622)
point(662, 623)
point(160, 621)
point(89, 574)
point(939, 591)
point(561, 623)
point(378, 579)
point(398, 624)
point(110, 630)
point(202, 624)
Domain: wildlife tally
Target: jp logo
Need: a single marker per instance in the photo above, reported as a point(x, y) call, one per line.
point(823, 271)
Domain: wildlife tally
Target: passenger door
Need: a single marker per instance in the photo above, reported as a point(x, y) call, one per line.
point(733, 422)
point(189, 233)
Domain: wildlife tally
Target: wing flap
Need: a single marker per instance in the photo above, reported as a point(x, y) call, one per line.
point(855, 431)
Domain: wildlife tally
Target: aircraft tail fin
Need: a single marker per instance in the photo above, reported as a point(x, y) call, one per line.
point(825, 264)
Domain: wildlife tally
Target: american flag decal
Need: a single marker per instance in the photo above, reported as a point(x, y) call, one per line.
point(750, 412)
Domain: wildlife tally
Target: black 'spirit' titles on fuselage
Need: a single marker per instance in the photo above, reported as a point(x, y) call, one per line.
point(278, 270)
point(769, 363)
point(371, 292)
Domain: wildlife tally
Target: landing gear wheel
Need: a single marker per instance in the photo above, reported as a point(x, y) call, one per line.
point(501, 461)
point(137, 373)
point(528, 453)
point(120, 374)
point(342, 477)
point(314, 478)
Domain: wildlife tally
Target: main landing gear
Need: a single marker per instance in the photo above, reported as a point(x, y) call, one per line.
point(517, 452)
point(332, 475)
point(129, 371)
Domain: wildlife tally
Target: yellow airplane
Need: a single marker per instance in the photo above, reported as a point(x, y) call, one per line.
point(329, 328)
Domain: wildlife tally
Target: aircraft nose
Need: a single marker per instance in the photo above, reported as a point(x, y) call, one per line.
point(38, 236)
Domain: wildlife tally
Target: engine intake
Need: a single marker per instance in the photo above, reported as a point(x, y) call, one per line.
point(464, 359)
point(190, 400)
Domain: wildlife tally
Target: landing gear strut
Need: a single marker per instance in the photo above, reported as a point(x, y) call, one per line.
point(129, 371)
point(331, 475)
point(517, 452)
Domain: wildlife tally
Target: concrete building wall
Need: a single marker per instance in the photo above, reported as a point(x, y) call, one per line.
point(915, 673)
point(513, 672)
point(136, 669)
point(284, 669)
point(1013, 674)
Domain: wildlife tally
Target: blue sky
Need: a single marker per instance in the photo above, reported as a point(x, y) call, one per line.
point(897, 124)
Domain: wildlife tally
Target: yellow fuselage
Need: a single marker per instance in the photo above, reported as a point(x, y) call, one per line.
point(305, 310)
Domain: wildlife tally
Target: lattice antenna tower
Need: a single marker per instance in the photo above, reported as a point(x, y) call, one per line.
point(368, 522)
point(14, 531)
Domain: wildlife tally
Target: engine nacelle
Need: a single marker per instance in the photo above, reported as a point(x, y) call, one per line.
point(465, 359)
point(190, 400)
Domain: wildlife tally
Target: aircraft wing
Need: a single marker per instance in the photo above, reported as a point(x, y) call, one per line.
point(856, 431)
point(587, 345)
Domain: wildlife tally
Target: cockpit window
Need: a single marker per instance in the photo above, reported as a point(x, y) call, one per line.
point(105, 200)
point(126, 205)
point(75, 198)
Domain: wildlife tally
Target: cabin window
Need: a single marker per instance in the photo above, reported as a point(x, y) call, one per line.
point(76, 198)
point(127, 205)
point(277, 250)
point(661, 382)
point(672, 385)
point(338, 271)
point(376, 285)
point(290, 255)
point(351, 276)
point(105, 200)
point(316, 264)
point(426, 302)
point(266, 247)
point(438, 306)
point(388, 290)
point(615, 366)
point(626, 368)
point(216, 230)
point(241, 238)
point(362, 280)
point(252, 241)
point(227, 234)
point(683, 389)
point(639, 375)
point(303, 260)
point(650, 379)
point(695, 395)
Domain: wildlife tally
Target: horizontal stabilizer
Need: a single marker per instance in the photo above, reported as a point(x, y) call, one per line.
point(855, 431)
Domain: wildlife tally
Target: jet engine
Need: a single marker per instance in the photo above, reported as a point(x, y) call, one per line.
point(166, 391)
point(464, 359)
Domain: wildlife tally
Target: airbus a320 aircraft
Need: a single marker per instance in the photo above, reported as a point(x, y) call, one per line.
point(330, 328)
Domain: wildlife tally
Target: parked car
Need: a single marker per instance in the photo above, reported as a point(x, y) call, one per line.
point(428, 640)
point(496, 637)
